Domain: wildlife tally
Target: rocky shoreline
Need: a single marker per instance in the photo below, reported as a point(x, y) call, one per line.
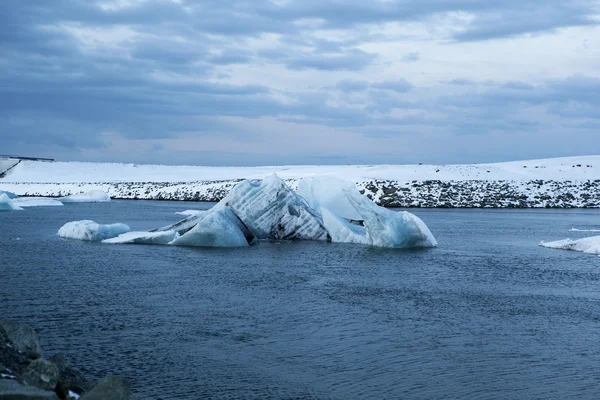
point(26, 375)
point(387, 193)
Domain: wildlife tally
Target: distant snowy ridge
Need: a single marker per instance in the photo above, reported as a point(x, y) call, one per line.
point(557, 183)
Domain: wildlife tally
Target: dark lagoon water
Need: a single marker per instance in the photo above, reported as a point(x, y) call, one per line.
point(487, 315)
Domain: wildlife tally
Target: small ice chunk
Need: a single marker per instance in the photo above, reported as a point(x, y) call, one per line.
point(218, 228)
point(271, 210)
point(10, 195)
point(93, 196)
point(589, 245)
point(6, 204)
point(189, 213)
point(162, 237)
point(329, 193)
point(36, 202)
point(91, 230)
point(73, 395)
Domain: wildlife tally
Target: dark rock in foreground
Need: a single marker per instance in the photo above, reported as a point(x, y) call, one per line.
point(111, 388)
point(23, 338)
point(24, 375)
point(42, 374)
point(13, 390)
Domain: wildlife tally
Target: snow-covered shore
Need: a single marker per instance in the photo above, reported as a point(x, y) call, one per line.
point(559, 182)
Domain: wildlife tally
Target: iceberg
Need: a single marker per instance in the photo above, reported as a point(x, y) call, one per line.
point(91, 230)
point(589, 245)
point(350, 217)
point(93, 196)
point(36, 202)
point(163, 237)
point(218, 228)
point(6, 204)
point(10, 195)
point(271, 210)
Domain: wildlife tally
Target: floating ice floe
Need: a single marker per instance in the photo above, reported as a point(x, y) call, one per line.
point(6, 204)
point(270, 210)
point(589, 245)
point(189, 213)
point(93, 196)
point(91, 230)
point(36, 202)
point(217, 227)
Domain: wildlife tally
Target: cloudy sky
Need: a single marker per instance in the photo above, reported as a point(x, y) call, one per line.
point(250, 82)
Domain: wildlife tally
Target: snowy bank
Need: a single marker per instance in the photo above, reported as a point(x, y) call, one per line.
point(555, 183)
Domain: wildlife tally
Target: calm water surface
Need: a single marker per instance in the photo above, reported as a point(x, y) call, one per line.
point(487, 315)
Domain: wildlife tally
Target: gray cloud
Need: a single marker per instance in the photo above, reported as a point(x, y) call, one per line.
point(411, 57)
point(58, 93)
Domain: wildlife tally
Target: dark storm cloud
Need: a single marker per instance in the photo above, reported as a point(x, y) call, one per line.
point(57, 90)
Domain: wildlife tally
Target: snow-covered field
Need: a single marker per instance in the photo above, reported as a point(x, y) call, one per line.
point(559, 182)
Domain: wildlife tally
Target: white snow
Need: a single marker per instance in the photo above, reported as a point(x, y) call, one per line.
point(568, 182)
point(36, 202)
point(271, 210)
point(162, 237)
point(93, 196)
point(189, 213)
point(6, 204)
point(567, 168)
point(218, 228)
point(91, 230)
point(589, 245)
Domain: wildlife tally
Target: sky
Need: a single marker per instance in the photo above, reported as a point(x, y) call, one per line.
point(271, 82)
